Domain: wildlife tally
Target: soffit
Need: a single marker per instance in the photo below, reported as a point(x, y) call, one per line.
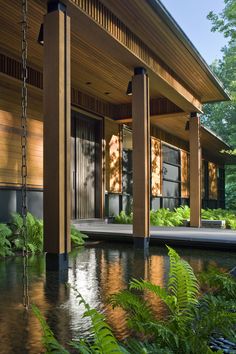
point(175, 125)
point(140, 17)
point(89, 63)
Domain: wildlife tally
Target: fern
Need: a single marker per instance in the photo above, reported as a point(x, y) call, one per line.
point(104, 341)
point(49, 341)
point(192, 322)
point(5, 244)
point(218, 282)
point(34, 232)
point(183, 284)
point(77, 237)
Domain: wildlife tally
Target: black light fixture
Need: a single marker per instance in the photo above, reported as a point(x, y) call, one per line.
point(40, 36)
point(187, 125)
point(129, 89)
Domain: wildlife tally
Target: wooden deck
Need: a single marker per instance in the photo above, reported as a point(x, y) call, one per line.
point(175, 236)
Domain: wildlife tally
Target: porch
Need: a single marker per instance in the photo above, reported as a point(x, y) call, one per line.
point(172, 236)
point(91, 51)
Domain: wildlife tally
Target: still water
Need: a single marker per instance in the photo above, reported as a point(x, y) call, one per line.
point(96, 271)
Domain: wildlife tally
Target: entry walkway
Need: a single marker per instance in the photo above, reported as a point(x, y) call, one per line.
point(175, 236)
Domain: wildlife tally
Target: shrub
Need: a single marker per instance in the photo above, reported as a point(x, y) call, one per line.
point(77, 237)
point(5, 244)
point(34, 233)
point(123, 218)
point(166, 217)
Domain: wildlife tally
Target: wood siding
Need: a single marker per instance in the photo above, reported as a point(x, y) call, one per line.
point(156, 167)
point(213, 189)
point(10, 147)
point(184, 156)
point(113, 157)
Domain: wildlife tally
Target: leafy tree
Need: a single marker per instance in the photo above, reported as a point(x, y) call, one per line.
point(221, 117)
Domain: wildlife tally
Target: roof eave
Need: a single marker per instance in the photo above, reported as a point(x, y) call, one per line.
point(160, 9)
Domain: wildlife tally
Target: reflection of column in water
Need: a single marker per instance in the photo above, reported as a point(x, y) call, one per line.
point(140, 269)
point(112, 280)
point(157, 276)
point(57, 292)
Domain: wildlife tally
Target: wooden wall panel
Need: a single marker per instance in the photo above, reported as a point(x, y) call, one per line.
point(113, 157)
point(169, 138)
point(203, 176)
point(213, 190)
point(10, 151)
point(156, 166)
point(184, 174)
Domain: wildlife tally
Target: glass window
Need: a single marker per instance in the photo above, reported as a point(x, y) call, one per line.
point(170, 172)
point(127, 139)
point(171, 189)
point(170, 155)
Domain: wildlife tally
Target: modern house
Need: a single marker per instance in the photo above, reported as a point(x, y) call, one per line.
point(115, 90)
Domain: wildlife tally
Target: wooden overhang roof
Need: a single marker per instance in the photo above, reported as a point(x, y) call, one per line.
point(151, 21)
point(110, 38)
point(213, 147)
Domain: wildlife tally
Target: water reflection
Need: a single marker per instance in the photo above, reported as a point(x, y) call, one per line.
point(97, 271)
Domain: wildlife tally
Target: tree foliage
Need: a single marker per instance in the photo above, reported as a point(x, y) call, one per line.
point(221, 117)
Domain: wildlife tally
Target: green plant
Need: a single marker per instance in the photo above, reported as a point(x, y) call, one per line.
point(220, 214)
point(49, 341)
point(165, 217)
point(77, 237)
point(34, 233)
point(218, 282)
point(193, 318)
point(5, 244)
point(123, 218)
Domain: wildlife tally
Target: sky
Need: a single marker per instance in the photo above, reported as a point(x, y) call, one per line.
point(191, 17)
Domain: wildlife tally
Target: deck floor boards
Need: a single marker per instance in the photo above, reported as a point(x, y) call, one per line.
point(179, 236)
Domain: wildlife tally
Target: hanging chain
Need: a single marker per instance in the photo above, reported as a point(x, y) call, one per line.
point(24, 96)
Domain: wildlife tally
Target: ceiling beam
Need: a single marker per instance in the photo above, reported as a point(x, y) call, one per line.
point(154, 118)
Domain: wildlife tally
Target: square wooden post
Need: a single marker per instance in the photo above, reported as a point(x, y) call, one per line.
point(57, 132)
point(141, 157)
point(195, 170)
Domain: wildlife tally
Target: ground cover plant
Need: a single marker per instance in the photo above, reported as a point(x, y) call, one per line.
point(12, 240)
point(178, 216)
point(196, 318)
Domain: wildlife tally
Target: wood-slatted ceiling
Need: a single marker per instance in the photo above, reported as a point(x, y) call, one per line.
point(175, 125)
point(144, 21)
point(108, 78)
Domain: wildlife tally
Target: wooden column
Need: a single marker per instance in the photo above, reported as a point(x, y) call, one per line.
point(141, 157)
point(195, 170)
point(57, 132)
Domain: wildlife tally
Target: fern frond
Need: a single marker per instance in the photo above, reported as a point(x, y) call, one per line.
point(133, 346)
point(182, 283)
point(49, 341)
point(155, 289)
point(104, 341)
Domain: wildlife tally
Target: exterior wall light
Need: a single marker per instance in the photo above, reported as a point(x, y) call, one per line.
point(129, 89)
point(187, 125)
point(40, 36)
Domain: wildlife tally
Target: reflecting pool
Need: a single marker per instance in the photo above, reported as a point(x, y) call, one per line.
point(96, 271)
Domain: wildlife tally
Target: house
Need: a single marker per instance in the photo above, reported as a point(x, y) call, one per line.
point(90, 140)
